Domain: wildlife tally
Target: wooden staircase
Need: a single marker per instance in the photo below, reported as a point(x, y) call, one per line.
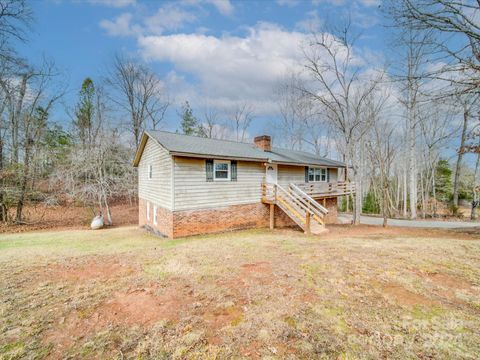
point(299, 206)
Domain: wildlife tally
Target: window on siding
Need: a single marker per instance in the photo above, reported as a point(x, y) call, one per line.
point(150, 171)
point(221, 170)
point(317, 174)
point(155, 221)
point(148, 210)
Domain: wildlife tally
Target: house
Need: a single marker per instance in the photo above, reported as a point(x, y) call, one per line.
point(189, 185)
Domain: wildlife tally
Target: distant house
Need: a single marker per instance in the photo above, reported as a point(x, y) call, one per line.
point(189, 185)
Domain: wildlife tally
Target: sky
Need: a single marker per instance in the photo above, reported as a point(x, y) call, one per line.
point(214, 53)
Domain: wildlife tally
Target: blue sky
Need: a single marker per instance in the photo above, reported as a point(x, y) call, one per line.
point(214, 53)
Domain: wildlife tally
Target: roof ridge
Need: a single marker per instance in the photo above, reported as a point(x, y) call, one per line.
point(206, 138)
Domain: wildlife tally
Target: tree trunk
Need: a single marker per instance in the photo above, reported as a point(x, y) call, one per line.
point(23, 185)
point(434, 195)
point(473, 214)
point(405, 194)
point(412, 171)
point(460, 157)
point(357, 205)
point(3, 208)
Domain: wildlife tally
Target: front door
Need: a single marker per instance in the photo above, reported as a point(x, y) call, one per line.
point(271, 175)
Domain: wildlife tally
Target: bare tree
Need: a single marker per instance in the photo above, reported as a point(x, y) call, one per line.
point(15, 18)
point(28, 112)
point(338, 87)
point(381, 147)
point(467, 105)
point(243, 116)
point(457, 24)
point(140, 93)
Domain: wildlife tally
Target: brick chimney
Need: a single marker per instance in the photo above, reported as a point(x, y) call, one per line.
point(263, 142)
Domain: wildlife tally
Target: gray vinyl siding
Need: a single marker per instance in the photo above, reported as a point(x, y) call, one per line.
point(333, 175)
point(157, 190)
point(192, 191)
point(288, 174)
point(296, 174)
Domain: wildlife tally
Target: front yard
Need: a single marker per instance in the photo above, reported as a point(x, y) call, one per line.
point(353, 293)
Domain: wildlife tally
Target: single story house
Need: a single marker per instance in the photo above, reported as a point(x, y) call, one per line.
point(190, 185)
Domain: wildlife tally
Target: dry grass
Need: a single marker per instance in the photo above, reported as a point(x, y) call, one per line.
point(353, 293)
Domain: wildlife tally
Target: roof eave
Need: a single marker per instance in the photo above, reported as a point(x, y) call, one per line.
point(215, 156)
point(307, 164)
point(141, 147)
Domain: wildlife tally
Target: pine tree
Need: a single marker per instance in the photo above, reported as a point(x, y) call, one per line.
point(190, 124)
point(85, 112)
point(443, 180)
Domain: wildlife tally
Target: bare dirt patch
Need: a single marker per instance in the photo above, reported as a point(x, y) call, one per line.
point(137, 307)
point(92, 269)
point(446, 280)
point(406, 297)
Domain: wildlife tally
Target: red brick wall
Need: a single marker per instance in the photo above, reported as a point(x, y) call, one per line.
point(331, 205)
point(235, 217)
point(164, 226)
point(205, 221)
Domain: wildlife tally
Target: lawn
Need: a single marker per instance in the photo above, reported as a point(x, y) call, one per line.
point(353, 293)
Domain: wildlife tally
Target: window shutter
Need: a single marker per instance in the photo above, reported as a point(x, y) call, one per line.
point(328, 175)
point(209, 169)
point(233, 170)
point(306, 174)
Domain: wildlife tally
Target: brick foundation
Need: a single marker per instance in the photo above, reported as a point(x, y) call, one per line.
point(206, 221)
point(331, 205)
point(236, 217)
point(164, 226)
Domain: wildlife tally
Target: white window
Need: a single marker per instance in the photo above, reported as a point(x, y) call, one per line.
point(155, 214)
point(317, 174)
point(148, 210)
point(221, 170)
point(150, 171)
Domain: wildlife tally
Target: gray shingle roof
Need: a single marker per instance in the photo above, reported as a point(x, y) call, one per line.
point(179, 144)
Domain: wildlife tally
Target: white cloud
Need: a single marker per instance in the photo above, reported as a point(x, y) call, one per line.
point(120, 26)
point(224, 7)
point(113, 3)
point(231, 69)
point(370, 2)
point(289, 3)
point(366, 3)
point(311, 23)
point(168, 17)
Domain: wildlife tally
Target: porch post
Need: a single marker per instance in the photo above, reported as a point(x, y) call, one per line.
point(272, 216)
point(307, 224)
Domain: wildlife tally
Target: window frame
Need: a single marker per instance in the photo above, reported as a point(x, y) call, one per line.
point(150, 171)
point(229, 170)
point(321, 172)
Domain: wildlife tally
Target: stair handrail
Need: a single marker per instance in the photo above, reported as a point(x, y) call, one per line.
point(295, 200)
point(311, 201)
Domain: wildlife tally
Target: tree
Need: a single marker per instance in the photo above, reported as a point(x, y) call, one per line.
point(456, 23)
point(337, 86)
point(443, 180)
point(243, 116)
point(15, 18)
point(381, 147)
point(189, 122)
point(139, 93)
point(85, 112)
point(463, 138)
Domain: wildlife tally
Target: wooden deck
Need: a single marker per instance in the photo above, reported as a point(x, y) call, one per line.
point(318, 190)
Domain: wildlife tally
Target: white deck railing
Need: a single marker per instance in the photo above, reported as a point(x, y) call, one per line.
point(323, 189)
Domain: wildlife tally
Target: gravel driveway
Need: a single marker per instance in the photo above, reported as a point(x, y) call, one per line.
point(370, 220)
